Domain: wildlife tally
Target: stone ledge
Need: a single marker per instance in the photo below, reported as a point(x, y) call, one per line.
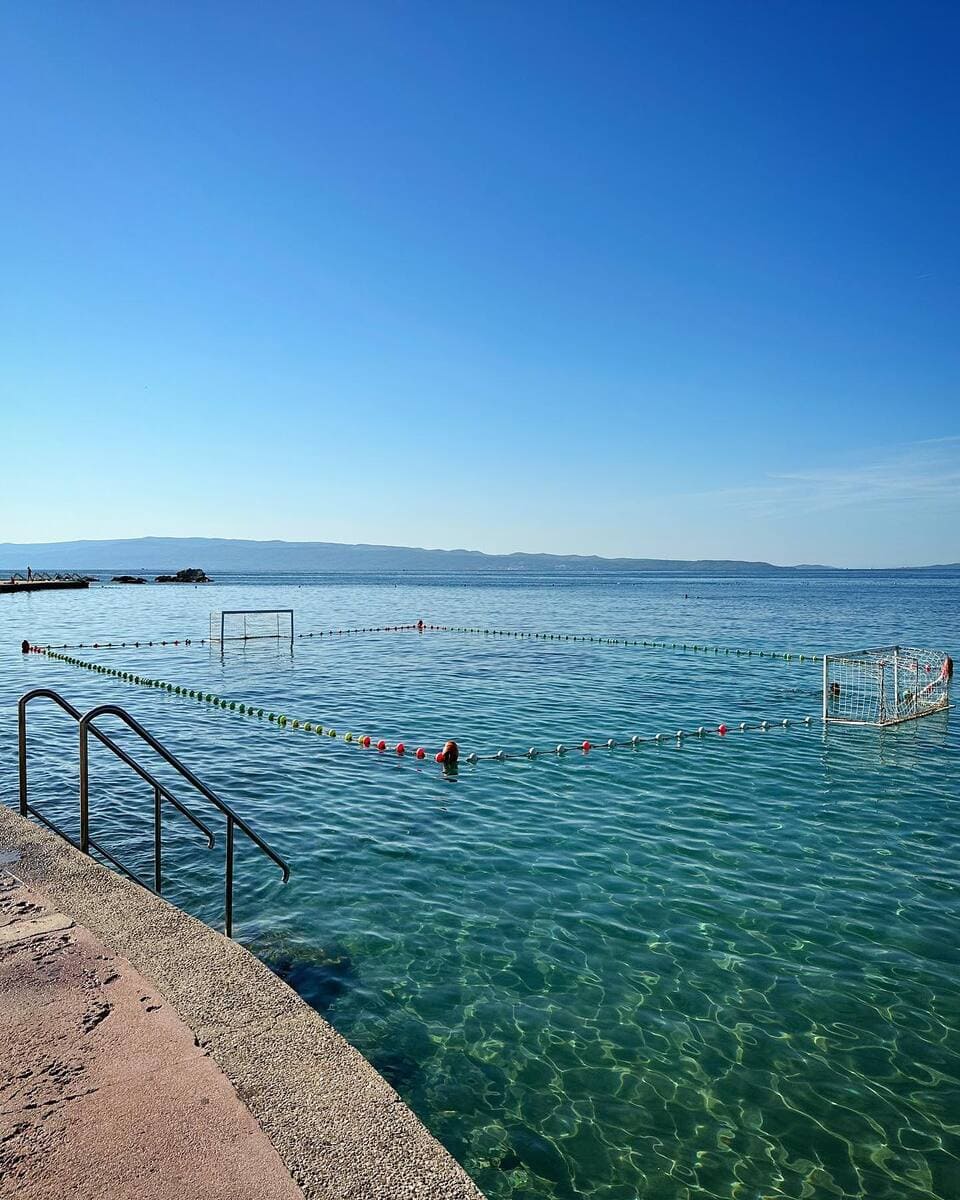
point(340, 1129)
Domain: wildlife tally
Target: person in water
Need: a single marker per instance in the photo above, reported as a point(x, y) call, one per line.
point(450, 754)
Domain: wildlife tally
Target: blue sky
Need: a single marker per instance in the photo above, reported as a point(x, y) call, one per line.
point(652, 279)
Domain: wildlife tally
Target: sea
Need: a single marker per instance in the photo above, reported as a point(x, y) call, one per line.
point(718, 965)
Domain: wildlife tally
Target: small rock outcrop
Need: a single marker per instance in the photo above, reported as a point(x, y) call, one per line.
point(127, 579)
point(187, 575)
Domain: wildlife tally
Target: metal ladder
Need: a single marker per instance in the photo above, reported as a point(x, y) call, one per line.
point(86, 725)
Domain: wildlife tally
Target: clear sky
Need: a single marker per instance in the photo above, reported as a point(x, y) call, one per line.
point(654, 279)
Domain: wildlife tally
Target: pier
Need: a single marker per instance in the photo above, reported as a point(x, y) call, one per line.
point(38, 581)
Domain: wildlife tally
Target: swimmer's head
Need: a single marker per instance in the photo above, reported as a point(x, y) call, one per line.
point(450, 754)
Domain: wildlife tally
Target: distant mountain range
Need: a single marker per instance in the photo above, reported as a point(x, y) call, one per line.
point(159, 554)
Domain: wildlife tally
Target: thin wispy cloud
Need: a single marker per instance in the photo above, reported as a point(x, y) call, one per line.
point(918, 473)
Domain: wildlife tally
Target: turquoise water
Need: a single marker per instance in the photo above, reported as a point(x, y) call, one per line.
point(728, 967)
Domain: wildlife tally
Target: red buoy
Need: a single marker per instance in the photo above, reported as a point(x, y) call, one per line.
point(721, 729)
point(586, 746)
point(401, 748)
point(421, 753)
point(438, 757)
point(381, 745)
point(365, 740)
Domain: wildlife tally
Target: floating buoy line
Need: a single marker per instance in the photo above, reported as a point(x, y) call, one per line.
point(520, 634)
point(647, 644)
point(139, 645)
point(367, 741)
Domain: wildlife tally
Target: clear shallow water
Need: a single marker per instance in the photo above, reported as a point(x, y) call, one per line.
point(729, 968)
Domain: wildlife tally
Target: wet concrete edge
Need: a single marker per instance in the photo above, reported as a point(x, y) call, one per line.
point(338, 1126)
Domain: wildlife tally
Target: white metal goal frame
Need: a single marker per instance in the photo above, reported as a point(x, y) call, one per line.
point(251, 624)
point(884, 685)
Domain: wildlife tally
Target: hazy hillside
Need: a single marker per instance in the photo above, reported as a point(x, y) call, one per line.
point(222, 554)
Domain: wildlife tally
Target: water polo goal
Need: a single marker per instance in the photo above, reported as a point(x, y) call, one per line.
point(884, 686)
point(251, 624)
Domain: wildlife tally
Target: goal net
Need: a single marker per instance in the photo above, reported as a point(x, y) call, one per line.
point(247, 624)
point(884, 686)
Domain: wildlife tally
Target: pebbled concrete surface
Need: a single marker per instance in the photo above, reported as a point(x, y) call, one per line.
point(104, 1090)
point(341, 1130)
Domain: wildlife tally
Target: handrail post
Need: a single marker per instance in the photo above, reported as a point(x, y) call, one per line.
point(84, 791)
point(22, 753)
point(228, 882)
point(157, 816)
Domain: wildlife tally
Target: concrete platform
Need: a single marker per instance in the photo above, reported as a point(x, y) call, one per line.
point(104, 1090)
point(125, 1020)
point(41, 585)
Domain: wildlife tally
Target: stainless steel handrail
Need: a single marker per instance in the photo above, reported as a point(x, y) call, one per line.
point(161, 792)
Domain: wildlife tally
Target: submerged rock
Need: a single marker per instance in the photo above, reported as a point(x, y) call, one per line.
point(318, 974)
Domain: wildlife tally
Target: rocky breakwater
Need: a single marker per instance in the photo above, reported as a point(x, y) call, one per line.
point(187, 575)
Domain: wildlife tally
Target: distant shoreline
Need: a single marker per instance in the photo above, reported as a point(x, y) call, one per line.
point(156, 556)
point(103, 576)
